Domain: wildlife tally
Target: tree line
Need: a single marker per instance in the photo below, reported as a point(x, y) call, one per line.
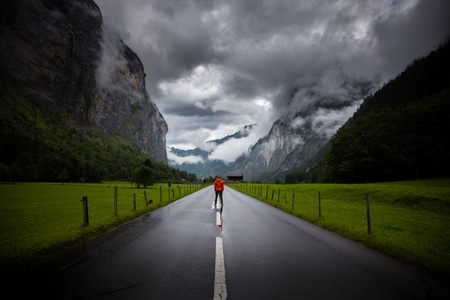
point(408, 143)
point(39, 146)
point(399, 133)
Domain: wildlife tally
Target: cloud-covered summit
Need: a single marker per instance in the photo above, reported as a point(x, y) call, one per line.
point(214, 66)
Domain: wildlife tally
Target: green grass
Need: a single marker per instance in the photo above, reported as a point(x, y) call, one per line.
point(40, 219)
point(409, 220)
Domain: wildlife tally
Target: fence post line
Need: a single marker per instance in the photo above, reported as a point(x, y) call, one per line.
point(115, 201)
point(369, 225)
point(267, 192)
point(273, 192)
point(85, 210)
point(278, 196)
point(160, 194)
point(320, 205)
point(134, 202)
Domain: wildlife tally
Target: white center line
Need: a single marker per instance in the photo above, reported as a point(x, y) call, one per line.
point(218, 219)
point(220, 287)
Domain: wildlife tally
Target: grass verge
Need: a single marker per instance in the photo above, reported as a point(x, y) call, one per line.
point(40, 219)
point(409, 220)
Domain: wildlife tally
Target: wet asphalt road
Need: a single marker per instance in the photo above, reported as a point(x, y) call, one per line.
point(268, 254)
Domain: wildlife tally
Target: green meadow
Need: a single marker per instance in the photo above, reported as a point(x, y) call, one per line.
point(41, 219)
point(408, 220)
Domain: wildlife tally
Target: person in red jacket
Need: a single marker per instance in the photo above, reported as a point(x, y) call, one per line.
point(218, 188)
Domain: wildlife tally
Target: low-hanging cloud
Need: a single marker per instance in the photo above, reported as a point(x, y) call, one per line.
point(238, 62)
point(178, 160)
point(233, 148)
point(108, 58)
point(327, 122)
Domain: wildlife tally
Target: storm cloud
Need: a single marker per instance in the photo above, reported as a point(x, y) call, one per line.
point(214, 66)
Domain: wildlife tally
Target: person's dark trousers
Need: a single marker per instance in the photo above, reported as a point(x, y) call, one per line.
point(219, 193)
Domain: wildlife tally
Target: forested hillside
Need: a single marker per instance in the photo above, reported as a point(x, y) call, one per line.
point(400, 132)
point(38, 146)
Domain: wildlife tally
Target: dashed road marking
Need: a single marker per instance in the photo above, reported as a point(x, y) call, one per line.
point(218, 218)
point(218, 213)
point(220, 287)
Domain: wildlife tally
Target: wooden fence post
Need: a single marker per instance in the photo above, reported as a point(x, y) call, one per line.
point(320, 206)
point(369, 225)
point(293, 195)
point(85, 210)
point(145, 198)
point(267, 192)
point(160, 194)
point(273, 192)
point(134, 202)
point(115, 201)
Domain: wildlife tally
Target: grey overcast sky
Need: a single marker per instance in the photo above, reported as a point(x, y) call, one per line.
point(214, 66)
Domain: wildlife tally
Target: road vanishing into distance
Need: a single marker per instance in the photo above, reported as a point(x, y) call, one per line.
point(260, 252)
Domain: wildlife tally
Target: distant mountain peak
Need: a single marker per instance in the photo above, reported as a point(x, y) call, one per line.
point(197, 160)
point(241, 133)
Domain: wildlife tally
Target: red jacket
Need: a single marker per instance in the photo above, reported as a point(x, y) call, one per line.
point(218, 184)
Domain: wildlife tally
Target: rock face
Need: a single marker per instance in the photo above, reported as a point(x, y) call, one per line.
point(283, 149)
point(57, 54)
point(298, 140)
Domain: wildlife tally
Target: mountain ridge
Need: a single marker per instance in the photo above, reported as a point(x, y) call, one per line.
point(401, 131)
point(198, 161)
point(60, 55)
point(295, 140)
point(242, 132)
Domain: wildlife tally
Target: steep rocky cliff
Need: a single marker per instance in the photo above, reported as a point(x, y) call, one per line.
point(296, 141)
point(57, 53)
point(284, 148)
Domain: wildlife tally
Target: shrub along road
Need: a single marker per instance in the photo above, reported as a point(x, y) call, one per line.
point(178, 252)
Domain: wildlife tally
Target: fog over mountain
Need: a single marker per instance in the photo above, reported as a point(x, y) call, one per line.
point(218, 159)
point(215, 66)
